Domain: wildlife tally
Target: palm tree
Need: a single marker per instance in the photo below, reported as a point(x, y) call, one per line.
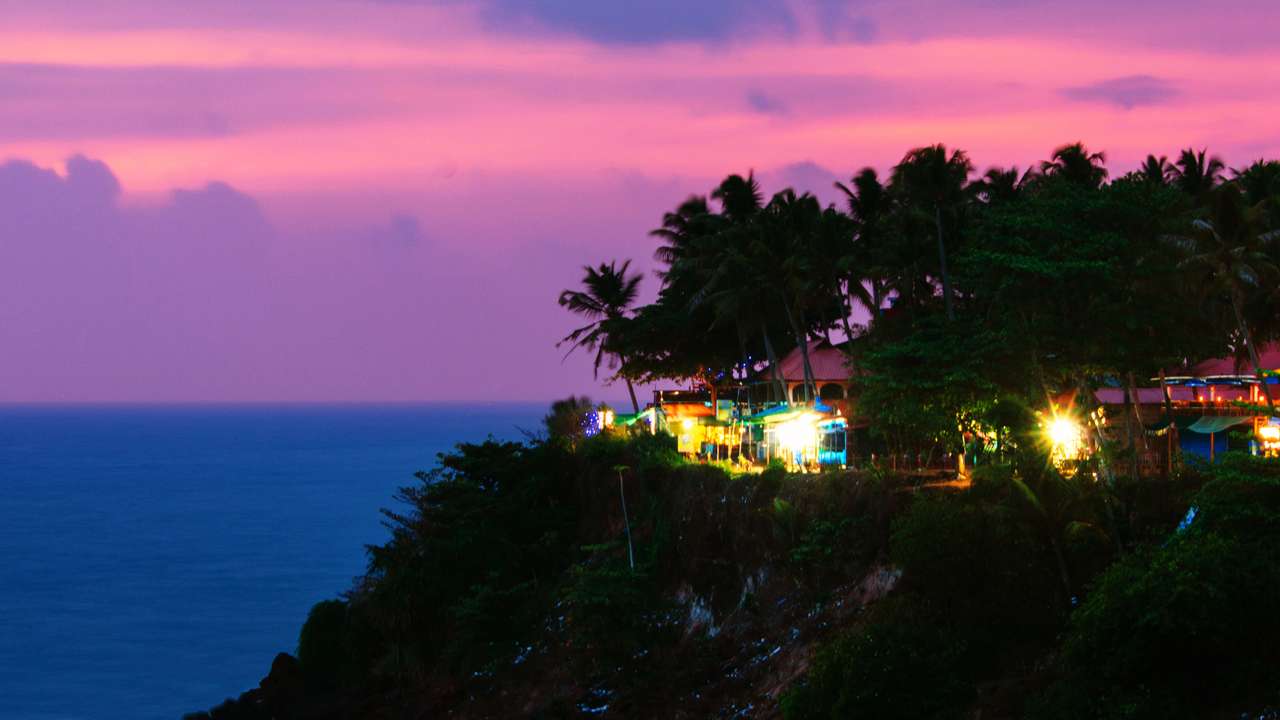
point(733, 277)
point(739, 197)
point(999, 185)
point(1229, 250)
point(784, 258)
point(930, 178)
point(1075, 164)
point(1260, 182)
point(680, 231)
point(1195, 175)
point(1062, 512)
point(607, 295)
point(866, 279)
point(1156, 170)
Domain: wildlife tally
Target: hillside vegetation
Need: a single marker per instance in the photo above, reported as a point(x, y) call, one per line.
point(506, 589)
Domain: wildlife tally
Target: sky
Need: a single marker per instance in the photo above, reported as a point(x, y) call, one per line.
point(379, 200)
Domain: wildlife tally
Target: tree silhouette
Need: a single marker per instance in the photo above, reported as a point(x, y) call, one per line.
point(607, 294)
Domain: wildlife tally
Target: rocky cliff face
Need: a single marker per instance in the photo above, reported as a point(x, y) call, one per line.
point(513, 588)
point(743, 579)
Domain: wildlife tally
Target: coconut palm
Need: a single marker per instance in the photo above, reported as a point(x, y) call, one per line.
point(999, 185)
point(605, 299)
point(866, 279)
point(1230, 250)
point(1195, 175)
point(783, 255)
point(740, 198)
point(1156, 170)
point(1063, 513)
point(1260, 181)
point(935, 182)
point(680, 231)
point(732, 274)
point(1075, 164)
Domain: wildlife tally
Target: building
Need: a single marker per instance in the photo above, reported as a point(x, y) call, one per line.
point(1205, 410)
point(747, 423)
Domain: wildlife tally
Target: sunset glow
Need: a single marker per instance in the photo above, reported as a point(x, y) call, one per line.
point(374, 162)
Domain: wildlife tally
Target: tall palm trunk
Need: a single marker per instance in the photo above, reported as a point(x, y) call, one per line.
point(1253, 353)
point(772, 356)
point(808, 367)
point(622, 366)
point(942, 264)
point(635, 406)
point(1168, 399)
point(1136, 420)
point(1129, 401)
point(848, 331)
point(803, 342)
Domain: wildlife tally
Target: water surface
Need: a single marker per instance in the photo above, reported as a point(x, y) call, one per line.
point(154, 559)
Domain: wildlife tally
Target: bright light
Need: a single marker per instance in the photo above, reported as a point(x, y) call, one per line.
point(1066, 438)
point(687, 423)
point(798, 434)
point(1269, 438)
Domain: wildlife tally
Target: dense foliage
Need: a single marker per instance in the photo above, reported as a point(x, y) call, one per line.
point(640, 585)
point(1186, 628)
point(1180, 628)
point(961, 293)
point(1026, 594)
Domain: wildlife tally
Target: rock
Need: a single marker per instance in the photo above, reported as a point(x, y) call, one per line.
point(282, 690)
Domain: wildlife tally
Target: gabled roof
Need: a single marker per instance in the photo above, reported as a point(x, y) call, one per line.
point(829, 363)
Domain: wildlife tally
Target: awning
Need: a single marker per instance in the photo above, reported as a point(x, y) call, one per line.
point(1217, 423)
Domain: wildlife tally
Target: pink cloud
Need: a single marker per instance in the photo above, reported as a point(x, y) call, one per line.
point(388, 195)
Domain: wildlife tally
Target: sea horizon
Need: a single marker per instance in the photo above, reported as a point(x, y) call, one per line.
point(158, 556)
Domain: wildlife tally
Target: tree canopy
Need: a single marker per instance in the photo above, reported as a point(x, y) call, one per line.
point(962, 290)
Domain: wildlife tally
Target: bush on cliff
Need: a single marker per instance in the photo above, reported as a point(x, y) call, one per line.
point(977, 594)
point(485, 539)
point(1186, 629)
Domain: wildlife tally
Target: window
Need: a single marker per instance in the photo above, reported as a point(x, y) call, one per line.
point(831, 391)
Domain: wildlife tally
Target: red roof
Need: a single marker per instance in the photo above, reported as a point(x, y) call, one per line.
point(1270, 359)
point(1154, 396)
point(829, 363)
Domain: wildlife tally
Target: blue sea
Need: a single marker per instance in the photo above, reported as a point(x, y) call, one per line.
point(153, 560)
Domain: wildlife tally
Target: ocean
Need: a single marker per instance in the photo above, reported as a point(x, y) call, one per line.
point(153, 560)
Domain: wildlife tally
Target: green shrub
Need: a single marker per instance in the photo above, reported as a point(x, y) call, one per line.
point(978, 594)
point(1187, 629)
point(322, 644)
point(832, 547)
point(609, 607)
point(900, 664)
point(984, 571)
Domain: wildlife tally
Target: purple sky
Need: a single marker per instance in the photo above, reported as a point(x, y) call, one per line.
point(346, 200)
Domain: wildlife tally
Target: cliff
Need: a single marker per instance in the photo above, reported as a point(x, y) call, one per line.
point(508, 590)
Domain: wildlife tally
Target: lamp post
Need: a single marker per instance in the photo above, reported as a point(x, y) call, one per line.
point(626, 521)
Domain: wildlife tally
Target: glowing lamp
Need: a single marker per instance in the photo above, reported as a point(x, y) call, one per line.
point(687, 423)
point(798, 434)
point(1065, 436)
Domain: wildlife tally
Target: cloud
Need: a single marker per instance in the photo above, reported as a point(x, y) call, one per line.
point(197, 295)
point(765, 104)
point(659, 21)
point(1125, 92)
point(400, 232)
point(803, 176)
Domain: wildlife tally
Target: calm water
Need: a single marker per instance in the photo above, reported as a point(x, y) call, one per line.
point(154, 560)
